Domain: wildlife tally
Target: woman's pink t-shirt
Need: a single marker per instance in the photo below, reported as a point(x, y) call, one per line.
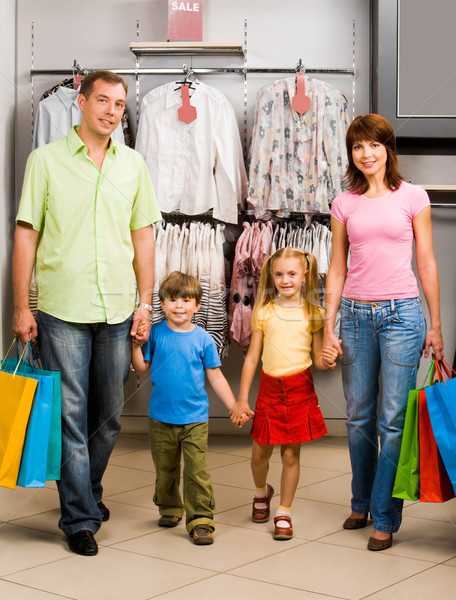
point(380, 232)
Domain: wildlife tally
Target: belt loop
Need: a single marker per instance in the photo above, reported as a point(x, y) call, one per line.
point(393, 306)
point(352, 306)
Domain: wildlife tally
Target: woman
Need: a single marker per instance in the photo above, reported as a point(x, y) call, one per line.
point(382, 324)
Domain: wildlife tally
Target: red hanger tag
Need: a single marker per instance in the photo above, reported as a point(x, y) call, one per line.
point(300, 102)
point(77, 80)
point(187, 112)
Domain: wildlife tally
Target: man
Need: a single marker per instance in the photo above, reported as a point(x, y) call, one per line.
point(84, 221)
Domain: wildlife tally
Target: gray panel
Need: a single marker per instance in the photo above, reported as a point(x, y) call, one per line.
point(427, 79)
point(426, 66)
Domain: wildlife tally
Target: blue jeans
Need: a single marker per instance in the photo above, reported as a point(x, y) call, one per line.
point(94, 361)
point(386, 337)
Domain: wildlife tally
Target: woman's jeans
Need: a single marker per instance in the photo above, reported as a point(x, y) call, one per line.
point(386, 337)
point(94, 361)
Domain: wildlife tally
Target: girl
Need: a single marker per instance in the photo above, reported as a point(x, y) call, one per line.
point(287, 326)
point(382, 325)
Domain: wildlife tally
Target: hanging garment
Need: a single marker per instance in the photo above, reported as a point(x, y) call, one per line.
point(254, 245)
point(57, 113)
point(297, 162)
point(196, 249)
point(198, 166)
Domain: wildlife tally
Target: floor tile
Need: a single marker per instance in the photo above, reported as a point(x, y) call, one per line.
point(336, 490)
point(13, 591)
point(229, 497)
point(130, 443)
point(437, 583)
point(231, 547)
point(112, 575)
point(232, 475)
point(326, 569)
point(445, 511)
point(22, 502)
point(141, 460)
point(417, 538)
point(244, 561)
point(311, 520)
point(238, 587)
point(22, 548)
point(117, 480)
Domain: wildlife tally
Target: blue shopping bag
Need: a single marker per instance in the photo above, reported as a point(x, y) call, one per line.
point(42, 453)
point(441, 403)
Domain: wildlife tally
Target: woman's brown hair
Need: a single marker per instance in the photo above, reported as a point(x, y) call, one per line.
point(371, 128)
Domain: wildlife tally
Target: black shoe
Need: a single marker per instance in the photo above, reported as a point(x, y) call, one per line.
point(105, 514)
point(83, 542)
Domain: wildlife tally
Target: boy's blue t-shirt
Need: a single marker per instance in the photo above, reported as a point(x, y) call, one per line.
point(178, 360)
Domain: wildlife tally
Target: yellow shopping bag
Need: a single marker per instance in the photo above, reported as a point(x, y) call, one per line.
point(16, 399)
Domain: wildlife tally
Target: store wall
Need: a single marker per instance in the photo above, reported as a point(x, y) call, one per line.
point(97, 35)
point(7, 173)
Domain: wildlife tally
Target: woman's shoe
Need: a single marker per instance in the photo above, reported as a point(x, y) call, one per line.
point(283, 533)
point(351, 523)
point(261, 515)
point(375, 544)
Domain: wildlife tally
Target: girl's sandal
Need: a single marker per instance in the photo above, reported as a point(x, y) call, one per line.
point(283, 533)
point(261, 515)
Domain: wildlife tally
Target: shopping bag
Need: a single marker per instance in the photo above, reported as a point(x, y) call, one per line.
point(42, 453)
point(435, 485)
point(54, 448)
point(17, 394)
point(441, 404)
point(407, 482)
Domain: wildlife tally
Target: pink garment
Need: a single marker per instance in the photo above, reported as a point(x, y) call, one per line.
point(380, 232)
point(262, 248)
point(241, 293)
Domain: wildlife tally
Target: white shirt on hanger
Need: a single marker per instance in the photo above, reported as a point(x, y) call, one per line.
point(198, 166)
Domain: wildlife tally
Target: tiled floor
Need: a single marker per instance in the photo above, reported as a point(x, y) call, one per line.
point(138, 560)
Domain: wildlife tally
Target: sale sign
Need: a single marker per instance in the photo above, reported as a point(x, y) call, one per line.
point(185, 21)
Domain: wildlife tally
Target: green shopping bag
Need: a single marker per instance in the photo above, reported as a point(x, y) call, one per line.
point(407, 482)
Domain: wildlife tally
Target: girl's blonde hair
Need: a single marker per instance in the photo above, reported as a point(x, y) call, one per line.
point(309, 291)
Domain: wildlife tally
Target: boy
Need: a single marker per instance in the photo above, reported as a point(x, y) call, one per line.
point(181, 353)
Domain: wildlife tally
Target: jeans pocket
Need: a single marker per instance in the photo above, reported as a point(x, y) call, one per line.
point(349, 333)
point(406, 337)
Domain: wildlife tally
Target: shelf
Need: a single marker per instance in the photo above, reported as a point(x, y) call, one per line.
point(184, 48)
point(439, 188)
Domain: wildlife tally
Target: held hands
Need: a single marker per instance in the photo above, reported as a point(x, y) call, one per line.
point(240, 414)
point(329, 355)
point(331, 349)
point(141, 326)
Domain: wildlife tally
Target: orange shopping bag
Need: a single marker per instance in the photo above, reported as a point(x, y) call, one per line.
point(16, 399)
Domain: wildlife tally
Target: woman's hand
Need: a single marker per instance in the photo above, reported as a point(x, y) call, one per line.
point(434, 338)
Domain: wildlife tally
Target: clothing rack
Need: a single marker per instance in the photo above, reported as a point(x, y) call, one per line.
point(138, 71)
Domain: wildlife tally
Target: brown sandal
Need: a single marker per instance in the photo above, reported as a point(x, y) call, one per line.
point(283, 533)
point(261, 515)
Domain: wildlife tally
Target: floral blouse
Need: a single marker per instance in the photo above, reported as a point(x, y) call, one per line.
point(297, 162)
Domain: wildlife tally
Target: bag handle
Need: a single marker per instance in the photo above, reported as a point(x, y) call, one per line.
point(21, 359)
point(447, 368)
point(431, 368)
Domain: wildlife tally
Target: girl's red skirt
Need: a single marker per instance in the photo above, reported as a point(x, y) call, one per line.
point(287, 410)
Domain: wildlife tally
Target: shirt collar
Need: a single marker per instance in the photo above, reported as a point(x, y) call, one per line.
point(68, 97)
point(75, 143)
